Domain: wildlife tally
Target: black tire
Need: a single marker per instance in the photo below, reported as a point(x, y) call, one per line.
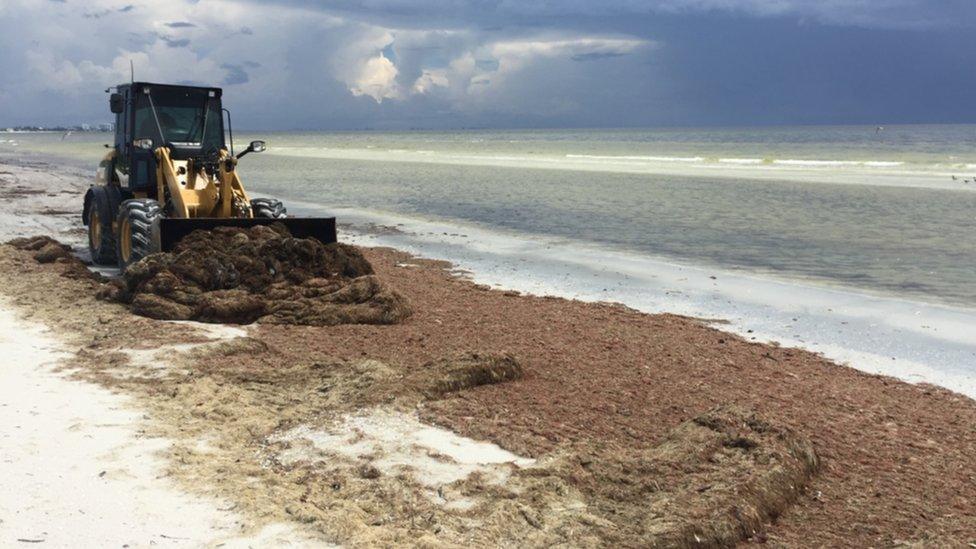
point(268, 208)
point(99, 214)
point(138, 230)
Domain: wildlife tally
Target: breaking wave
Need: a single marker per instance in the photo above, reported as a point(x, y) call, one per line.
point(643, 158)
point(744, 161)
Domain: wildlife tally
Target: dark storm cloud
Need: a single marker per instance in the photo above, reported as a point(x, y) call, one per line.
point(102, 13)
point(401, 63)
point(175, 42)
point(235, 75)
point(502, 14)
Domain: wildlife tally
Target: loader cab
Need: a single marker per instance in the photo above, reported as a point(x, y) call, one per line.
point(186, 119)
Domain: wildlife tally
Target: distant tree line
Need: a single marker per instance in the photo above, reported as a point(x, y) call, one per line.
point(78, 128)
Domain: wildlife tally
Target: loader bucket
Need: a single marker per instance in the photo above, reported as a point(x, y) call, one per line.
point(172, 230)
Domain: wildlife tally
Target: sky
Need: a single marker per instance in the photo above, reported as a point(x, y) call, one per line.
point(398, 64)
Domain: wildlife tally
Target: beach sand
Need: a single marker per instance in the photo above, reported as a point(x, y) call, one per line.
point(79, 470)
point(576, 449)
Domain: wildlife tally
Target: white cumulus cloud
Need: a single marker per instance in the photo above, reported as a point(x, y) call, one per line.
point(376, 78)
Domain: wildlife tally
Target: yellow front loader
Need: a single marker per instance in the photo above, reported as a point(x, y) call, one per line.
point(170, 173)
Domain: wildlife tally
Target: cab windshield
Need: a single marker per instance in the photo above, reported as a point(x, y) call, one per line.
point(187, 118)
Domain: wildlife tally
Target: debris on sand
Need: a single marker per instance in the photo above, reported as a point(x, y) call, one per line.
point(346, 436)
point(601, 410)
point(367, 383)
point(465, 371)
point(347, 386)
point(45, 249)
point(341, 445)
point(239, 276)
point(716, 480)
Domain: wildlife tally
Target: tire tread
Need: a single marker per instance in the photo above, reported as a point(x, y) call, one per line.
point(144, 215)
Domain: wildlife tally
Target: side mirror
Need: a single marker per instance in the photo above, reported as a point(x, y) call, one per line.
point(144, 143)
point(255, 146)
point(116, 103)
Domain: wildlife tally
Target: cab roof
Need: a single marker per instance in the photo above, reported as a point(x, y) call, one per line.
point(140, 85)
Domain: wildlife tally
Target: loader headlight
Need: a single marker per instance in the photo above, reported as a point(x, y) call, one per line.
point(145, 143)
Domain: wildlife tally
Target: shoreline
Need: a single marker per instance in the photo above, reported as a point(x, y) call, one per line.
point(914, 341)
point(889, 290)
point(601, 382)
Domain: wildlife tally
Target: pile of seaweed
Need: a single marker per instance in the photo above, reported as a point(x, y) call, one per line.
point(242, 275)
point(45, 249)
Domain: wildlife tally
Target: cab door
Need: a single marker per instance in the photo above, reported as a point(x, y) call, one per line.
point(123, 139)
point(142, 175)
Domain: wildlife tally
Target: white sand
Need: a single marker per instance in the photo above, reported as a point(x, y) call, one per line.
point(396, 443)
point(77, 473)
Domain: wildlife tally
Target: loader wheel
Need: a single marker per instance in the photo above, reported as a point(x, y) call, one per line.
point(268, 208)
point(101, 238)
point(138, 230)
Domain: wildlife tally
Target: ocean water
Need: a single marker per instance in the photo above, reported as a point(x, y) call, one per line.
point(882, 211)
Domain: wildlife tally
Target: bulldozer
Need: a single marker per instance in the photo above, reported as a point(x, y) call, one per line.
point(171, 171)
